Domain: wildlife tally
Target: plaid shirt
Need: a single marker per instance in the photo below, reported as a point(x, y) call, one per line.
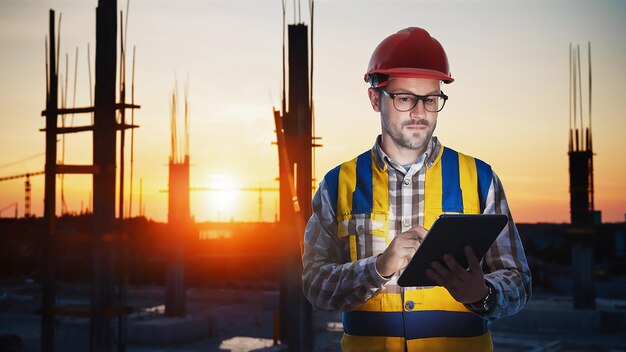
point(331, 282)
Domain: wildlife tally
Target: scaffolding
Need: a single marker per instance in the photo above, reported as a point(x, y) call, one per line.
point(108, 247)
point(296, 142)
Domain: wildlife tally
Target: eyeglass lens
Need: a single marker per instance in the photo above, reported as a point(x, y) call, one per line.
point(406, 102)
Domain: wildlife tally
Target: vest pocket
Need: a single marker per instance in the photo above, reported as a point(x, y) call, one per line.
point(367, 234)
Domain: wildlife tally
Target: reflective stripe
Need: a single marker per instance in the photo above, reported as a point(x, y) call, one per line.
point(332, 180)
point(468, 180)
point(451, 198)
point(485, 175)
point(346, 186)
point(445, 180)
point(387, 302)
point(362, 196)
point(434, 298)
point(353, 248)
point(380, 201)
point(480, 343)
point(432, 192)
point(413, 325)
point(373, 344)
point(380, 185)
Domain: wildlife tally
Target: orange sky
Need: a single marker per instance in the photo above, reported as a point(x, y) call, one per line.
point(508, 105)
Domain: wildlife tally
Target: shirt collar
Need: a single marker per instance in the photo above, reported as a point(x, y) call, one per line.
point(429, 156)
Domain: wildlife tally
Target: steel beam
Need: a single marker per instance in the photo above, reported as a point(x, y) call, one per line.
point(49, 277)
point(104, 157)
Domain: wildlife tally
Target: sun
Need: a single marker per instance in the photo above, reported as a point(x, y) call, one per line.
point(222, 197)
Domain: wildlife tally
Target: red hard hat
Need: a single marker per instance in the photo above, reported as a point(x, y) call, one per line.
point(411, 52)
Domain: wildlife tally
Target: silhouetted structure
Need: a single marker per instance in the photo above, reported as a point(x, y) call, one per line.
point(104, 145)
point(49, 276)
point(584, 218)
point(107, 298)
point(179, 216)
point(294, 129)
point(27, 190)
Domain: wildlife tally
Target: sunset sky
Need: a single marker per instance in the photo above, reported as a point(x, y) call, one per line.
point(508, 106)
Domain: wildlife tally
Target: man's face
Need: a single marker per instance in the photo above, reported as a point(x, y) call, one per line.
point(409, 129)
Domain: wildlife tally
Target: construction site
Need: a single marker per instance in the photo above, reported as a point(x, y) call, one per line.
point(106, 277)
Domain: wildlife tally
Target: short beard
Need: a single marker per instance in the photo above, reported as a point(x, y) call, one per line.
point(401, 141)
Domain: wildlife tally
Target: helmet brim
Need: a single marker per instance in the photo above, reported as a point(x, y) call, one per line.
point(408, 72)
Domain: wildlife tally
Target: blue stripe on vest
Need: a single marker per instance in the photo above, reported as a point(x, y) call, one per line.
point(452, 199)
point(485, 176)
point(413, 325)
point(332, 184)
point(362, 198)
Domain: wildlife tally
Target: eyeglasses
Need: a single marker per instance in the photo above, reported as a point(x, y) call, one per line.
point(407, 101)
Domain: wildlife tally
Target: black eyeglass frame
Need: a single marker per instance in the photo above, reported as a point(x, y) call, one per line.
point(418, 98)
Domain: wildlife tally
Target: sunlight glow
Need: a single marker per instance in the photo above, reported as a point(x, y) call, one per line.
point(222, 197)
point(245, 344)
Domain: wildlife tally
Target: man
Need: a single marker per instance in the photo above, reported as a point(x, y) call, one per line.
point(371, 213)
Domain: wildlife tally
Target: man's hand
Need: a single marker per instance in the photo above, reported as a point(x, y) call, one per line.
point(464, 286)
point(400, 251)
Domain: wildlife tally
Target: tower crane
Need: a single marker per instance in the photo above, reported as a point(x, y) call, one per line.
point(27, 189)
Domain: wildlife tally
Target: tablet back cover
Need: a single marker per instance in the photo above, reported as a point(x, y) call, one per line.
point(450, 233)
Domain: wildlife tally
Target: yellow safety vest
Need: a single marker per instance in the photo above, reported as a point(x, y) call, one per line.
point(423, 319)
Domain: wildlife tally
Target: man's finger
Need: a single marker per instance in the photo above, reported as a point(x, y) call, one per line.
point(408, 253)
point(418, 231)
point(440, 269)
point(410, 244)
point(413, 235)
point(473, 262)
point(442, 276)
point(421, 232)
point(434, 276)
point(453, 265)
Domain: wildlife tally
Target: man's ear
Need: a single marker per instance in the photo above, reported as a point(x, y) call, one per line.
point(374, 96)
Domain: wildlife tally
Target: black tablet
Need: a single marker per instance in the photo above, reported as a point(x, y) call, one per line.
point(450, 233)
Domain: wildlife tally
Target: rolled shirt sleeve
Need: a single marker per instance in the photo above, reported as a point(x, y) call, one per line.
point(505, 264)
point(329, 282)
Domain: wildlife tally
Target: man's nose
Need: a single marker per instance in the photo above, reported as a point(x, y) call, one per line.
point(418, 111)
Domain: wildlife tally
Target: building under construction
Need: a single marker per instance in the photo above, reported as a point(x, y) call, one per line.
point(584, 218)
point(107, 303)
point(179, 214)
point(296, 142)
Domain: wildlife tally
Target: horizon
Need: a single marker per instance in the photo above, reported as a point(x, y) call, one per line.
point(509, 55)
